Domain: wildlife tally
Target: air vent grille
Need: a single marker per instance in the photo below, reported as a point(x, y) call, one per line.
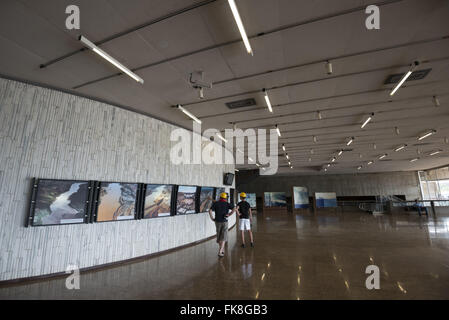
point(241, 103)
point(416, 75)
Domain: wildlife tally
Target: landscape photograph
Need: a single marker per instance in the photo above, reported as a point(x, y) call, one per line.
point(185, 203)
point(157, 201)
point(60, 202)
point(275, 199)
point(117, 201)
point(206, 198)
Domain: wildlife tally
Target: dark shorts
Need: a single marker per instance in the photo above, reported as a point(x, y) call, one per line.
point(222, 231)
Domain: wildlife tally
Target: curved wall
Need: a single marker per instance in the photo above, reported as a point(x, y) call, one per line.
point(50, 134)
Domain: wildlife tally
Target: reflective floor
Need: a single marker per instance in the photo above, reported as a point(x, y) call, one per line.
point(302, 256)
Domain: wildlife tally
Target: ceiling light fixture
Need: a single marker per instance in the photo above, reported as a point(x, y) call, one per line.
point(315, 139)
point(370, 163)
point(436, 101)
point(221, 137)
point(239, 22)
point(426, 134)
point(383, 156)
point(405, 77)
point(257, 164)
point(286, 155)
point(333, 159)
point(413, 160)
point(283, 147)
point(237, 170)
point(400, 148)
point(396, 130)
point(328, 165)
point(367, 120)
point(436, 152)
point(267, 100)
point(340, 152)
point(319, 116)
point(350, 141)
point(329, 67)
point(374, 146)
point(360, 167)
point(188, 114)
point(106, 56)
point(278, 131)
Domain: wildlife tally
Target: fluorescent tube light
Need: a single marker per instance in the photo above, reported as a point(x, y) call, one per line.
point(189, 114)
point(413, 160)
point(359, 168)
point(250, 159)
point(350, 141)
point(283, 147)
point(436, 152)
point(367, 120)
point(278, 131)
point(221, 137)
point(340, 153)
point(400, 148)
point(370, 163)
point(427, 134)
point(405, 77)
point(333, 159)
point(257, 164)
point(383, 156)
point(286, 155)
point(239, 22)
point(328, 165)
point(106, 56)
point(237, 170)
point(267, 100)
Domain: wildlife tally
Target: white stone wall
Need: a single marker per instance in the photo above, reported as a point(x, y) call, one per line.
point(50, 134)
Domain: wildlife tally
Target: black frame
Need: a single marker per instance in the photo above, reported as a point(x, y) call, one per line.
point(198, 200)
point(32, 206)
point(95, 202)
point(175, 200)
point(143, 194)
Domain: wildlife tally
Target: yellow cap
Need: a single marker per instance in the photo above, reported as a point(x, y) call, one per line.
point(243, 195)
point(223, 195)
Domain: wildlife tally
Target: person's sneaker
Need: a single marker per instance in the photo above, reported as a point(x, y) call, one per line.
point(243, 245)
point(252, 245)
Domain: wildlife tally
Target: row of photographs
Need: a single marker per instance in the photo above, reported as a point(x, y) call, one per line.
point(300, 199)
point(56, 202)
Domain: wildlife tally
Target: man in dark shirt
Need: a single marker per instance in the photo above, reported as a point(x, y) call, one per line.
point(246, 216)
point(221, 209)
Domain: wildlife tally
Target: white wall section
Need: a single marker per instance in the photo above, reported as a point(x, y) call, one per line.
point(51, 134)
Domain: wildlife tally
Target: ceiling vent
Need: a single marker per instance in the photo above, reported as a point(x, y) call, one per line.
point(416, 75)
point(241, 103)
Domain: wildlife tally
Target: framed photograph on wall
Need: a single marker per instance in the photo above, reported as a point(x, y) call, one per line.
point(219, 191)
point(116, 201)
point(275, 199)
point(326, 199)
point(300, 198)
point(157, 200)
point(57, 202)
point(186, 200)
point(206, 199)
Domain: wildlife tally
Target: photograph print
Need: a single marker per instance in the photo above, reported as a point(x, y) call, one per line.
point(206, 199)
point(116, 201)
point(185, 203)
point(60, 202)
point(219, 191)
point(275, 199)
point(251, 199)
point(301, 197)
point(326, 199)
point(157, 201)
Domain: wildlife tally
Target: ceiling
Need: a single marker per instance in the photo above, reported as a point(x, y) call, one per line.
point(163, 41)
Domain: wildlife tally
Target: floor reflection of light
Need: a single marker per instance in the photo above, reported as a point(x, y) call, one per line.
point(340, 270)
point(263, 277)
point(299, 280)
point(299, 268)
point(257, 295)
point(347, 284)
point(269, 264)
point(401, 288)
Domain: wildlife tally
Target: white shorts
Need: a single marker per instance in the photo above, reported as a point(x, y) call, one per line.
point(245, 224)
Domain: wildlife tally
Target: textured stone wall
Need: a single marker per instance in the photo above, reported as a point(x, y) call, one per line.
point(50, 134)
point(369, 184)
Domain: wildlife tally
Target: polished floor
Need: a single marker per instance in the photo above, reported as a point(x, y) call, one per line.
point(297, 256)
